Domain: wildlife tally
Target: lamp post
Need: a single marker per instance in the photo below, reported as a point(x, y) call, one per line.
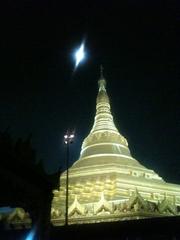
point(68, 139)
point(79, 55)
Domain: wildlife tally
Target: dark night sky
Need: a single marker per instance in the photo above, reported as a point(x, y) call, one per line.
point(136, 43)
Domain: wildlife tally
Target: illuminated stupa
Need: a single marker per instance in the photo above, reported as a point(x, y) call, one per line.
point(106, 183)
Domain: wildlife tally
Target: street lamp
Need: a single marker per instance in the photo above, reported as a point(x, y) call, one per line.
point(68, 139)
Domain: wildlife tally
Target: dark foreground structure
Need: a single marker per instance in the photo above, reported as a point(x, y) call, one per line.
point(165, 228)
point(25, 188)
point(157, 228)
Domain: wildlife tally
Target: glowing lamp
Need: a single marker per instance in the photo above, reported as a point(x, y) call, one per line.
point(31, 235)
point(68, 138)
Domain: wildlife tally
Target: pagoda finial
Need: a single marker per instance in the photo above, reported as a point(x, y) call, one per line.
point(102, 81)
point(101, 72)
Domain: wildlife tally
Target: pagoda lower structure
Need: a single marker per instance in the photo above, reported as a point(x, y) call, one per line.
point(106, 183)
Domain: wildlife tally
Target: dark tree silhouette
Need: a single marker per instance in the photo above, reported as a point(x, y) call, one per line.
point(24, 183)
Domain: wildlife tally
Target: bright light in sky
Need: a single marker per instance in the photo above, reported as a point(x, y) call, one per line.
point(79, 55)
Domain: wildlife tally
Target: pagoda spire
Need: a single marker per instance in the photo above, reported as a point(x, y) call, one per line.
point(103, 126)
point(102, 81)
point(101, 71)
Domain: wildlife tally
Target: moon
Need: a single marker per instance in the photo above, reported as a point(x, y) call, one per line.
point(79, 55)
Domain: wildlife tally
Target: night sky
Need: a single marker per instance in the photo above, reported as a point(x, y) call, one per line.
point(136, 43)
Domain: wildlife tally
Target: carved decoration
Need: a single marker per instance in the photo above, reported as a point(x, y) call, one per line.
point(76, 208)
point(18, 218)
point(103, 205)
point(167, 207)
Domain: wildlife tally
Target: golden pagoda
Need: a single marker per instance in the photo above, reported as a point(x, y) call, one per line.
point(106, 183)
